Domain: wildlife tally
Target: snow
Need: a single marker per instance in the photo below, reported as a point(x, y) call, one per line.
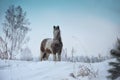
point(48, 70)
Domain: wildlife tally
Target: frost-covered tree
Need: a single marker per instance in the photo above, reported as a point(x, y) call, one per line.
point(115, 71)
point(72, 53)
point(26, 54)
point(15, 28)
point(3, 53)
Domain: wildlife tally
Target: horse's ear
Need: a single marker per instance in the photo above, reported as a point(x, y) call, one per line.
point(118, 40)
point(57, 27)
point(53, 27)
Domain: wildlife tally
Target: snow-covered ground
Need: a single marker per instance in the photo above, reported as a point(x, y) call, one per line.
point(49, 70)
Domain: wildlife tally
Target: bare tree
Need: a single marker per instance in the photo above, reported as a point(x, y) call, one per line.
point(3, 53)
point(15, 28)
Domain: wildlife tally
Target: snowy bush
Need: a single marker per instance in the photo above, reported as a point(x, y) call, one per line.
point(85, 71)
point(3, 55)
point(86, 59)
point(26, 54)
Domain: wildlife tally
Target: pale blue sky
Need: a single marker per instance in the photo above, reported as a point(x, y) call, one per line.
point(86, 25)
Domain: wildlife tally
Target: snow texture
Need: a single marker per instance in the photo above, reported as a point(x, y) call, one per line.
point(49, 70)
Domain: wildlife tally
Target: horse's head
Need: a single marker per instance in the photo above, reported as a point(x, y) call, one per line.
point(56, 32)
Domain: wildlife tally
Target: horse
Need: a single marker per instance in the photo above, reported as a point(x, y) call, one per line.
point(52, 46)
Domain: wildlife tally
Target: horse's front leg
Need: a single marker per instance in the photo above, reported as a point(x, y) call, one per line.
point(54, 57)
point(59, 57)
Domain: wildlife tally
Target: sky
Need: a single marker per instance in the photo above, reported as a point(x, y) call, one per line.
point(89, 26)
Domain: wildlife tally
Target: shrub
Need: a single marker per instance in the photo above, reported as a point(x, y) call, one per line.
point(85, 71)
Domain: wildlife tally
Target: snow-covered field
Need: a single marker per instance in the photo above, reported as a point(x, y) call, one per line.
point(50, 70)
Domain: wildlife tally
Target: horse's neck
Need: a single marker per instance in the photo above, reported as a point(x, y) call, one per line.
point(58, 39)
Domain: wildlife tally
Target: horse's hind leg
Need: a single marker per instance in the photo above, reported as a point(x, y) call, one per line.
point(42, 55)
point(47, 56)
